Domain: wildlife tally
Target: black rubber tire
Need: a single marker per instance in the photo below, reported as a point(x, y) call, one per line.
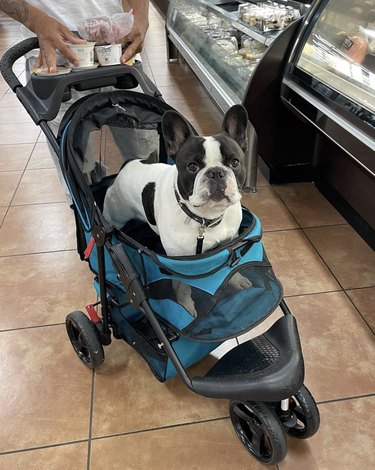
point(259, 430)
point(85, 340)
point(303, 405)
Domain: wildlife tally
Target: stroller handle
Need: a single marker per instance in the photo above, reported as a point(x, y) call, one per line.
point(11, 55)
point(43, 95)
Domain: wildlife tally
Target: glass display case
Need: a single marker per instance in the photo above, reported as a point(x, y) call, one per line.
point(223, 41)
point(340, 51)
point(333, 67)
point(330, 82)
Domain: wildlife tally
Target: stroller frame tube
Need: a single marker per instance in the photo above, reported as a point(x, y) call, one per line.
point(50, 136)
point(104, 331)
point(165, 343)
point(136, 294)
point(284, 308)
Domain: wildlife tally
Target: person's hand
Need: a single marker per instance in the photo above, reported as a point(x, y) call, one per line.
point(52, 35)
point(135, 39)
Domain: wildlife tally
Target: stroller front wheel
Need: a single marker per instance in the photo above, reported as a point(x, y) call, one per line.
point(304, 407)
point(259, 430)
point(85, 340)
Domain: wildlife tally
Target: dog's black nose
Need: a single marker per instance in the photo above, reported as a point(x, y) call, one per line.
point(215, 173)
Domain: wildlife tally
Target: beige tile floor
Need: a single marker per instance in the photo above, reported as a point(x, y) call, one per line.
point(56, 414)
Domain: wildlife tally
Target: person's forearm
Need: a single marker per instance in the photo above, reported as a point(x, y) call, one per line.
point(19, 10)
point(139, 4)
point(22, 12)
point(136, 37)
point(140, 7)
point(51, 33)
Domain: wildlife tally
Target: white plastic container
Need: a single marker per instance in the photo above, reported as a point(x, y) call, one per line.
point(109, 54)
point(84, 54)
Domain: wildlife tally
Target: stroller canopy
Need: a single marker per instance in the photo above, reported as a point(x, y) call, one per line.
point(127, 114)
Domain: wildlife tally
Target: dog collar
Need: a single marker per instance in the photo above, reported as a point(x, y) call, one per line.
point(206, 223)
point(203, 223)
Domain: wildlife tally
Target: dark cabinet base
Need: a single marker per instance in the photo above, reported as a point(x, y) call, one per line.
point(347, 211)
point(348, 186)
point(162, 6)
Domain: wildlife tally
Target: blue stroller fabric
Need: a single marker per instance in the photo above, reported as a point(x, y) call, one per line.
point(223, 310)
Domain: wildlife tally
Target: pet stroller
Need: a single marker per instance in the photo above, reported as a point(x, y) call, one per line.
point(136, 282)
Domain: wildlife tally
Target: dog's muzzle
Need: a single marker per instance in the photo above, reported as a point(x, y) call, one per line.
point(216, 184)
point(220, 183)
point(216, 179)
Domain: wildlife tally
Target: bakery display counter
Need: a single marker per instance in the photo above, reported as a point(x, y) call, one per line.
point(330, 83)
point(224, 41)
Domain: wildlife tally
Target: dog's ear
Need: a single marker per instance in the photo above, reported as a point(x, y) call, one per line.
point(235, 125)
point(175, 131)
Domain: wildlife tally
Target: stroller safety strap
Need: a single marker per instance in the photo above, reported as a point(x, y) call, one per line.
point(128, 275)
point(203, 223)
point(89, 248)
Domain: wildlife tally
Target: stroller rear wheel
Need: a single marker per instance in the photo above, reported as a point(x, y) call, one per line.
point(259, 430)
point(304, 407)
point(85, 340)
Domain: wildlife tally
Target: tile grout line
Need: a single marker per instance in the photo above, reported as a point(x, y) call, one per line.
point(272, 187)
point(359, 312)
point(337, 280)
point(39, 203)
point(29, 169)
point(324, 292)
point(360, 288)
point(31, 327)
point(223, 418)
point(150, 67)
point(161, 428)
point(321, 258)
point(354, 397)
point(48, 446)
point(302, 229)
point(38, 253)
point(19, 182)
point(91, 420)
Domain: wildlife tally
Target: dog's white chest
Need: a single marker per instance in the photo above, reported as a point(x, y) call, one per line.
point(179, 233)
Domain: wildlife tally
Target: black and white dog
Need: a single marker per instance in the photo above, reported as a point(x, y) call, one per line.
point(193, 205)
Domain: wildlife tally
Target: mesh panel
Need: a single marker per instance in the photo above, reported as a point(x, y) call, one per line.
point(244, 299)
point(109, 147)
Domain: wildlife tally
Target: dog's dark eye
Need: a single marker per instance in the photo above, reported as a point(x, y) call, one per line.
point(193, 167)
point(234, 162)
